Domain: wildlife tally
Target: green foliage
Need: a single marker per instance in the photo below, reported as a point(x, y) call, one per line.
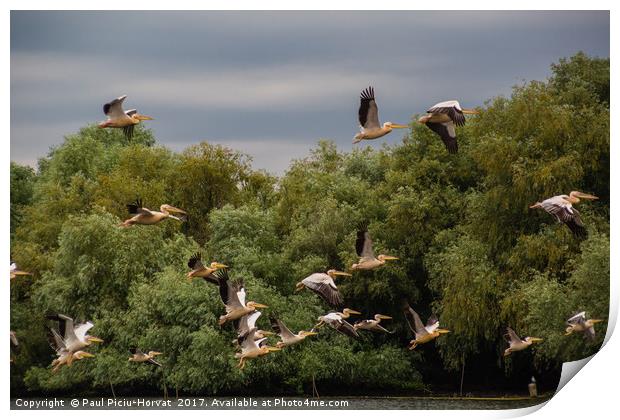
point(470, 250)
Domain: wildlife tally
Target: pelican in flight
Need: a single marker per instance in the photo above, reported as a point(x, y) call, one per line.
point(372, 324)
point(251, 348)
point(370, 127)
point(143, 216)
point(515, 343)
point(442, 118)
point(65, 357)
point(15, 272)
point(119, 118)
point(367, 259)
point(139, 356)
point(323, 285)
point(247, 323)
point(199, 269)
point(561, 206)
point(233, 296)
point(423, 333)
point(74, 336)
point(287, 336)
point(336, 320)
point(579, 323)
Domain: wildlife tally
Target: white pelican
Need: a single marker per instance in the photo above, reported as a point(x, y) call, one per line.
point(144, 216)
point(372, 324)
point(65, 357)
point(247, 323)
point(118, 118)
point(336, 320)
point(233, 296)
point(367, 259)
point(139, 356)
point(287, 336)
point(15, 272)
point(252, 348)
point(74, 337)
point(370, 127)
point(442, 117)
point(199, 269)
point(561, 206)
point(323, 285)
point(579, 323)
point(423, 333)
point(515, 343)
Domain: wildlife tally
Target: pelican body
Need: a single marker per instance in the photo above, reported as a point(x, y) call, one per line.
point(143, 216)
point(286, 335)
point(15, 272)
point(233, 297)
point(515, 343)
point(64, 355)
point(74, 336)
point(579, 323)
point(368, 114)
point(323, 285)
point(442, 118)
point(251, 348)
point(200, 270)
point(423, 333)
point(561, 206)
point(139, 356)
point(367, 259)
point(337, 320)
point(119, 118)
point(372, 324)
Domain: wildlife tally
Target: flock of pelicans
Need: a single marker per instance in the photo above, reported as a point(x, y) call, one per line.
point(69, 340)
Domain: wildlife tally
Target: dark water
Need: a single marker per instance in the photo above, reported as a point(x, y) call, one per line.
point(280, 403)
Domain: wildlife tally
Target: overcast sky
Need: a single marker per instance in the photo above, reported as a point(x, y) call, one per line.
point(272, 83)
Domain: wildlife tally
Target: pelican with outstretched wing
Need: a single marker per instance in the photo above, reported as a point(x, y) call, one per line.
point(579, 323)
point(423, 333)
point(143, 216)
point(200, 270)
point(367, 259)
point(251, 348)
point(247, 323)
point(15, 272)
point(139, 356)
point(442, 119)
point(119, 118)
point(323, 285)
point(370, 127)
point(233, 297)
point(286, 335)
point(515, 343)
point(337, 320)
point(75, 337)
point(372, 324)
point(561, 206)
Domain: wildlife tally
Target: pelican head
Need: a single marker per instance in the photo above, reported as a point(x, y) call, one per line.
point(532, 340)
point(305, 334)
point(253, 305)
point(167, 208)
point(575, 196)
point(82, 354)
point(299, 286)
point(569, 330)
point(92, 339)
point(216, 265)
point(141, 117)
point(384, 258)
point(390, 126)
point(470, 111)
point(154, 353)
point(379, 317)
point(333, 273)
point(346, 312)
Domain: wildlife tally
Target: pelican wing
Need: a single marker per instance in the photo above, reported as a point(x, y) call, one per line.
point(247, 323)
point(136, 208)
point(447, 133)
point(195, 262)
point(136, 351)
point(66, 327)
point(233, 295)
point(223, 282)
point(324, 286)
point(131, 112)
point(451, 108)
point(511, 336)
point(248, 342)
point(564, 212)
point(281, 329)
point(363, 245)
point(114, 109)
point(82, 329)
point(577, 318)
point(432, 323)
point(14, 339)
point(414, 321)
point(55, 341)
point(368, 112)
